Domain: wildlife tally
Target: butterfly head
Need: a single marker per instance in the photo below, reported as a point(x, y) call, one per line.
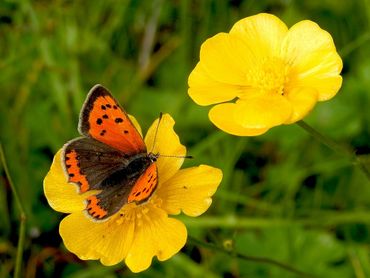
point(153, 156)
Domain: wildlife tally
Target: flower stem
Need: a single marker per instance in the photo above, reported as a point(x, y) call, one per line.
point(22, 218)
point(331, 144)
point(250, 258)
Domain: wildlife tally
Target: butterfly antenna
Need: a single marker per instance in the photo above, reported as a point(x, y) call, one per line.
point(177, 156)
point(156, 131)
point(155, 141)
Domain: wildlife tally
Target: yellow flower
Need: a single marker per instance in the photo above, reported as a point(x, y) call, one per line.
point(136, 233)
point(265, 74)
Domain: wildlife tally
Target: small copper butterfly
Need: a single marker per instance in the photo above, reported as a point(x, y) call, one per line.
point(111, 156)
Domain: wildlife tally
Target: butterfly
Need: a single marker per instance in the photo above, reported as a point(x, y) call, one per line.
point(111, 157)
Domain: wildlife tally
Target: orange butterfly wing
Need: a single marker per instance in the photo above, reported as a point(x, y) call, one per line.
point(104, 120)
point(125, 173)
point(74, 172)
point(145, 185)
point(94, 209)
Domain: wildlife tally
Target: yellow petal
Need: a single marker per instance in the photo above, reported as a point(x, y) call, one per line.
point(166, 143)
point(263, 32)
point(222, 117)
point(252, 116)
point(204, 90)
point(136, 124)
point(314, 62)
point(61, 195)
point(155, 235)
point(190, 190)
point(326, 86)
point(108, 241)
point(262, 112)
point(227, 58)
point(302, 100)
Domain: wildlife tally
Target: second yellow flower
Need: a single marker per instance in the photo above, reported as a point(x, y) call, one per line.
point(262, 74)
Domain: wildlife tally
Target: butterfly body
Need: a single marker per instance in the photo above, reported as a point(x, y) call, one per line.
point(110, 156)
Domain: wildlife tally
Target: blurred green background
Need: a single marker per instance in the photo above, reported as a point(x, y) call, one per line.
point(284, 195)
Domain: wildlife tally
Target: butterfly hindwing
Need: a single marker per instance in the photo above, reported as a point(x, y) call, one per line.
point(145, 185)
point(89, 162)
point(103, 119)
point(93, 165)
point(107, 202)
point(112, 198)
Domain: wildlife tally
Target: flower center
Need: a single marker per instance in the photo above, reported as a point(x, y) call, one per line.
point(270, 75)
point(134, 212)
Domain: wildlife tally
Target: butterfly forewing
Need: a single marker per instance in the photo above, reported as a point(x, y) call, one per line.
point(103, 119)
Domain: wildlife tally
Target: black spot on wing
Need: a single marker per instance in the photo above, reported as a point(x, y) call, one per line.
point(95, 92)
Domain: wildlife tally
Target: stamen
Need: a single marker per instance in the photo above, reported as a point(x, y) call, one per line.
point(269, 76)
